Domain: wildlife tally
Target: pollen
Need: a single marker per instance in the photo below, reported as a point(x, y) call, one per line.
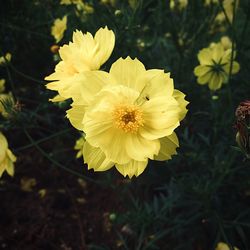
point(128, 118)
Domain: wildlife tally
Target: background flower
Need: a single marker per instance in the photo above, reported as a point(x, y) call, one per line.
point(58, 28)
point(85, 53)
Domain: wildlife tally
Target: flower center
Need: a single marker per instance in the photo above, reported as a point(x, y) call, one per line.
point(128, 118)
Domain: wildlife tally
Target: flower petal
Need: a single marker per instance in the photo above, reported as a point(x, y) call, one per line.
point(139, 149)
point(235, 67)
point(168, 147)
point(161, 117)
point(215, 82)
point(180, 98)
point(204, 79)
point(156, 83)
point(127, 71)
point(4, 146)
point(75, 116)
point(132, 168)
point(201, 70)
point(218, 52)
point(205, 56)
point(106, 40)
point(95, 158)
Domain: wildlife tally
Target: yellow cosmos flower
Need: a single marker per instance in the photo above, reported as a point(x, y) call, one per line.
point(84, 54)
point(224, 246)
point(128, 116)
point(7, 158)
point(215, 66)
point(58, 28)
point(2, 85)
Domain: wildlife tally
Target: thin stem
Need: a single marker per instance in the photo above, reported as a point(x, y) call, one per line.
point(43, 140)
point(55, 162)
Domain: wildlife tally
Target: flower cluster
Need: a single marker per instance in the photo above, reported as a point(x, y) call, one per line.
point(128, 115)
point(216, 64)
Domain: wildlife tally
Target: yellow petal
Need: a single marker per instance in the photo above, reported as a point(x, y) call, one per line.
point(132, 168)
point(205, 56)
point(95, 158)
point(201, 70)
point(106, 40)
point(85, 89)
point(180, 98)
point(75, 116)
point(168, 147)
point(154, 83)
point(215, 81)
point(4, 146)
point(57, 98)
point(161, 117)
point(127, 71)
point(204, 79)
point(217, 52)
point(139, 149)
point(235, 67)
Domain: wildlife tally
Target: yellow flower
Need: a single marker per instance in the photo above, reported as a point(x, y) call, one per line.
point(128, 116)
point(84, 54)
point(2, 85)
point(224, 246)
point(215, 66)
point(79, 146)
point(179, 4)
point(58, 28)
point(5, 59)
point(7, 158)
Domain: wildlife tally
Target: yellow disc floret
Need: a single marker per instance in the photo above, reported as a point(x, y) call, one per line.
point(128, 118)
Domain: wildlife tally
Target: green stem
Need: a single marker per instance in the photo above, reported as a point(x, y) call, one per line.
point(55, 162)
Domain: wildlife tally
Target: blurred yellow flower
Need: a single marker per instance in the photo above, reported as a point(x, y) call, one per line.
point(128, 116)
point(79, 146)
point(111, 2)
point(5, 59)
point(2, 85)
point(84, 54)
point(214, 66)
point(27, 184)
point(7, 158)
point(179, 4)
point(224, 246)
point(228, 7)
point(58, 28)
